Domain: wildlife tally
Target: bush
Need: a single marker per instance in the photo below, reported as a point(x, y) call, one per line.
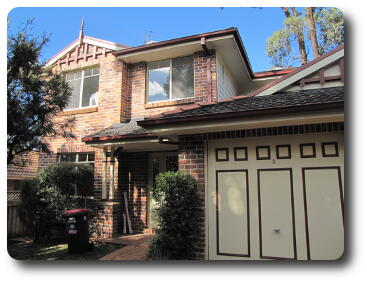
point(57, 188)
point(178, 217)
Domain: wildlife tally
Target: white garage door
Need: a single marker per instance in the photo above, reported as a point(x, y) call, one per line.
point(278, 197)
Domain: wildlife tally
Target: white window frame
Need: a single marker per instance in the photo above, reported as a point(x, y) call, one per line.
point(76, 157)
point(82, 86)
point(170, 80)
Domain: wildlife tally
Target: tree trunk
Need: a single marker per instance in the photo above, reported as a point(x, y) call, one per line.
point(311, 25)
point(300, 39)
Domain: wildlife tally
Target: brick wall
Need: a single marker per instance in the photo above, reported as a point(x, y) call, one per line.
point(106, 219)
point(191, 161)
point(122, 89)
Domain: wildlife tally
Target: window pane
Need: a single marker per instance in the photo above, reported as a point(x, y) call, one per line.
point(95, 71)
point(63, 158)
point(91, 157)
point(71, 157)
point(75, 94)
point(172, 163)
point(182, 77)
point(90, 91)
point(82, 157)
point(159, 80)
point(88, 72)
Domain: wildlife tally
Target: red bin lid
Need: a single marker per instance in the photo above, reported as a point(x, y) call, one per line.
point(77, 211)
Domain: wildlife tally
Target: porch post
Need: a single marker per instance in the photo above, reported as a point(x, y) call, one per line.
point(112, 174)
point(104, 174)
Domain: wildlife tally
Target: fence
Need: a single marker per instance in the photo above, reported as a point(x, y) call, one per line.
point(15, 226)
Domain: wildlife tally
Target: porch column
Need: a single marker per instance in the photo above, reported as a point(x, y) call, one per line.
point(112, 174)
point(104, 174)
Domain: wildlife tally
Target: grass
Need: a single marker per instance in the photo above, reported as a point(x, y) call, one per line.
point(28, 251)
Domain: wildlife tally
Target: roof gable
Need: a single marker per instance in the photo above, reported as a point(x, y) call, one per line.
point(300, 73)
point(89, 47)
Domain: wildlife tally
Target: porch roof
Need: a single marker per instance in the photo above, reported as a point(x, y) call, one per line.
point(119, 131)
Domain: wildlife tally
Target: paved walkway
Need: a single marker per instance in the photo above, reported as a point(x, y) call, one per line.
point(135, 247)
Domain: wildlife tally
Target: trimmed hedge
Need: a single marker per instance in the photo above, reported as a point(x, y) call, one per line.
point(178, 217)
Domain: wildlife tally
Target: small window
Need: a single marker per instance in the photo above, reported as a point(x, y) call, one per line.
point(87, 158)
point(170, 79)
point(84, 85)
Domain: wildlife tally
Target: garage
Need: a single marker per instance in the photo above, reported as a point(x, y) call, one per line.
point(276, 197)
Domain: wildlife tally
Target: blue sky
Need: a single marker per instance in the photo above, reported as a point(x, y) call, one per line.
point(130, 26)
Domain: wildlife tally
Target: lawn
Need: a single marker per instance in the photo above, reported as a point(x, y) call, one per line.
point(27, 251)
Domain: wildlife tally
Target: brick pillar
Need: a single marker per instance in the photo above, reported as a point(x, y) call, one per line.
point(106, 218)
point(205, 76)
point(191, 161)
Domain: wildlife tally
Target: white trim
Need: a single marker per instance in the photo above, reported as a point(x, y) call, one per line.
point(60, 55)
point(107, 45)
point(304, 73)
point(197, 42)
point(111, 46)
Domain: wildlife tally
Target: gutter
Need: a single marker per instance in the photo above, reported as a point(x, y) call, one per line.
point(117, 137)
point(230, 115)
point(197, 37)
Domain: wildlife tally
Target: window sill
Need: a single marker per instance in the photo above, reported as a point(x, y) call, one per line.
point(79, 111)
point(169, 103)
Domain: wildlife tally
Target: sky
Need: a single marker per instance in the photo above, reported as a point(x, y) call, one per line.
point(131, 26)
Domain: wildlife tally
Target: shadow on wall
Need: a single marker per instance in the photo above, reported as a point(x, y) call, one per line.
point(133, 179)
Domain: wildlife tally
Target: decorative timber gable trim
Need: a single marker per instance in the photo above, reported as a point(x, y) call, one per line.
point(321, 75)
point(83, 49)
point(303, 72)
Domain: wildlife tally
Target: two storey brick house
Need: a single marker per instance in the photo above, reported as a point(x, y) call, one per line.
point(261, 145)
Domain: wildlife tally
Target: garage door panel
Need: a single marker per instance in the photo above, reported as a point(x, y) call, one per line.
point(276, 209)
point(255, 186)
point(324, 212)
point(232, 213)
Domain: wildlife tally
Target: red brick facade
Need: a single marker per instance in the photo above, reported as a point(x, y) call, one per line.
point(191, 160)
point(122, 91)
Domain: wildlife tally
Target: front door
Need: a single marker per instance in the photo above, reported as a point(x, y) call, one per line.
point(158, 162)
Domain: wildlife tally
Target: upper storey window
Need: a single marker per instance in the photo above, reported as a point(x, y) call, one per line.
point(170, 79)
point(84, 86)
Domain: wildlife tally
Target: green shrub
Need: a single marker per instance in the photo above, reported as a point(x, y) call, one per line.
point(57, 188)
point(178, 217)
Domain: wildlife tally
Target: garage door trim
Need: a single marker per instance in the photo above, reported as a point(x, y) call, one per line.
point(293, 215)
point(248, 213)
point(305, 200)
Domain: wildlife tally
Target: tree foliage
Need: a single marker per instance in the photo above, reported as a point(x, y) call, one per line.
point(56, 188)
point(33, 97)
point(321, 29)
point(178, 217)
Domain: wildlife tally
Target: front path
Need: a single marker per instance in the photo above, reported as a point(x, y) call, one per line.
point(135, 247)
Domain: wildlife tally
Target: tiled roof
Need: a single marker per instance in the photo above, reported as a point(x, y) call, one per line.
point(279, 100)
point(27, 166)
point(120, 129)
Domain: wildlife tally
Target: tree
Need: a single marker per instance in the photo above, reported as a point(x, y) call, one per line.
point(322, 29)
point(56, 188)
point(34, 98)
